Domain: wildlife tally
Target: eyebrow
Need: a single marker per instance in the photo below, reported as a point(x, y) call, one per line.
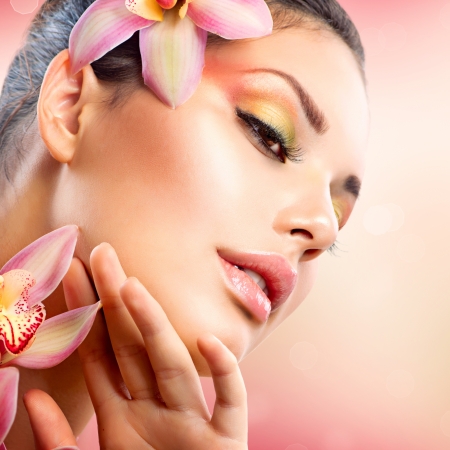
point(353, 185)
point(313, 113)
point(315, 117)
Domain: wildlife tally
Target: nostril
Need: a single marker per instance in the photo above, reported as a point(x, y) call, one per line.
point(300, 231)
point(312, 252)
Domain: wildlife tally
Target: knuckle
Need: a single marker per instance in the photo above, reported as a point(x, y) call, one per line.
point(227, 404)
point(94, 355)
point(129, 351)
point(143, 393)
point(170, 373)
point(151, 330)
point(227, 370)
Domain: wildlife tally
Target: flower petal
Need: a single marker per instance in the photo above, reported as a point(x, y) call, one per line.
point(102, 27)
point(16, 284)
point(148, 9)
point(18, 328)
point(173, 56)
point(3, 447)
point(9, 385)
point(232, 19)
point(57, 338)
point(47, 259)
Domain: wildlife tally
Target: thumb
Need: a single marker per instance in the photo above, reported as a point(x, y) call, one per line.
point(50, 427)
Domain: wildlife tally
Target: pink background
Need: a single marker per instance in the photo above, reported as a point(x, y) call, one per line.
point(364, 363)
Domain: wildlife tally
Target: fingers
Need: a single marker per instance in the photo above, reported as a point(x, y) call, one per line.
point(100, 369)
point(177, 378)
point(49, 425)
point(230, 410)
point(126, 340)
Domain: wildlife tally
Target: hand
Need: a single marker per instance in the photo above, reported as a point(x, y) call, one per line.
point(50, 427)
point(143, 384)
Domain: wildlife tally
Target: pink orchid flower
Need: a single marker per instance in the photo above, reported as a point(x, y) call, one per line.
point(26, 338)
point(172, 36)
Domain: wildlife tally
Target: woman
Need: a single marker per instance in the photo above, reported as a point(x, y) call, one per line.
point(250, 179)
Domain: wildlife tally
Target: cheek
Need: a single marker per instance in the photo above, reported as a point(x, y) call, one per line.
point(165, 197)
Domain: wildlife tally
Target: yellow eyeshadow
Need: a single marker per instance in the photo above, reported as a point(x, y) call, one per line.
point(338, 211)
point(273, 115)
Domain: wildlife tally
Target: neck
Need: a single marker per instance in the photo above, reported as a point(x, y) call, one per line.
point(24, 217)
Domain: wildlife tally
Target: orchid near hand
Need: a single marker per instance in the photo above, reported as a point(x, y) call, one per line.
point(173, 36)
point(26, 338)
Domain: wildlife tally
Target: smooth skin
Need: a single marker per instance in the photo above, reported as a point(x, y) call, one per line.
point(143, 384)
point(168, 188)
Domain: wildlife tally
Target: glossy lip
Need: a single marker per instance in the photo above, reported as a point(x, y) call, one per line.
point(278, 274)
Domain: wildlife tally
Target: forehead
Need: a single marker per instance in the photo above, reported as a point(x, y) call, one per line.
point(319, 60)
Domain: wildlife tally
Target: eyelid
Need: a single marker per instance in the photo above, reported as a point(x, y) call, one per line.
point(273, 114)
point(289, 150)
point(337, 212)
point(341, 211)
point(252, 123)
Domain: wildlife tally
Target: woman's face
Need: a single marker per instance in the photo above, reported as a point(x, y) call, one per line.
point(186, 195)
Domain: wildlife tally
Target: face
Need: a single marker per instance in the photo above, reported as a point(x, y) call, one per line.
point(251, 178)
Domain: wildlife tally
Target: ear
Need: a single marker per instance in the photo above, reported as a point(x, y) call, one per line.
point(60, 105)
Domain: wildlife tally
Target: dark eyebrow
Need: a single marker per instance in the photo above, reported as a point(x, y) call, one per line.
point(353, 185)
point(313, 113)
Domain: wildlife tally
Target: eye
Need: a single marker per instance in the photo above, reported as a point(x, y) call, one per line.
point(267, 139)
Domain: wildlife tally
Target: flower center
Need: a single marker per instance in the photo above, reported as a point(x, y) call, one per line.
point(154, 9)
point(184, 4)
point(18, 322)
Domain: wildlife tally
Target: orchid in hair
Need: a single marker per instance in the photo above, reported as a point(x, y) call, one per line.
point(26, 338)
point(172, 36)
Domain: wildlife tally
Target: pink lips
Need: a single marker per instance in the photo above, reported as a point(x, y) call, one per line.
point(278, 274)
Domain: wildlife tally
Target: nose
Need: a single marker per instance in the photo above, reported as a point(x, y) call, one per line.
point(308, 226)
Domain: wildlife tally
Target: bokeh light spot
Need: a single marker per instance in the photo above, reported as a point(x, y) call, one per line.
point(303, 355)
point(378, 220)
point(296, 447)
point(445, 16)
point(395, 36)
point(400, 383)
point(24, 6)
point(445, 423)
point(411, 248)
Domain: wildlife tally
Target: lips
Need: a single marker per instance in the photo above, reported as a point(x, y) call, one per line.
point(278, 274)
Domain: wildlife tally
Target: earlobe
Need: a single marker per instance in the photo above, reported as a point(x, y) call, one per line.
point(60, 105)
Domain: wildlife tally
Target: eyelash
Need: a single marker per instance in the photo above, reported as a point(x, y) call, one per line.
point(292, 153)
point(255, 126)
point(334, 248)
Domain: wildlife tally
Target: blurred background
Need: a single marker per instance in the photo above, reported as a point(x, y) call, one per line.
point(364, 363)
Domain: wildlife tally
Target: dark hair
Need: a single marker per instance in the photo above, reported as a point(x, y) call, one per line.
point(49, 34)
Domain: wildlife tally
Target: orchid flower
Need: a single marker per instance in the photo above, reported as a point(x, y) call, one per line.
point(26, 338)
point(172, 36)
